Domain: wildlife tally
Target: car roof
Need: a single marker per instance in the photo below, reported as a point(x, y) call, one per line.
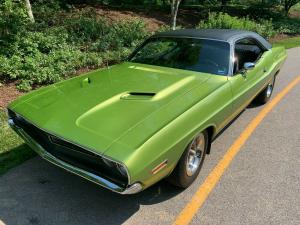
point(227, 35)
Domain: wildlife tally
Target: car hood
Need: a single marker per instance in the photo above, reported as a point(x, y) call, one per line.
point(100, 108)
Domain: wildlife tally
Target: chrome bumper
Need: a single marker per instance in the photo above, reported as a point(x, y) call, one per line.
point(132, 189)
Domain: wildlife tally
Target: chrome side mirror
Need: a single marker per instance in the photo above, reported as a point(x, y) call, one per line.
point(249, 65)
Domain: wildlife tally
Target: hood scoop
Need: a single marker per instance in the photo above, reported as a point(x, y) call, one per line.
point(138, 96)
point(85, 82)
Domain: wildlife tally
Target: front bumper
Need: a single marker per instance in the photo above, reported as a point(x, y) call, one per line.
point(131, 189)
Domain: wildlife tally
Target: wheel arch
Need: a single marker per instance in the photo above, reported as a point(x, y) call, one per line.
point(211, 131)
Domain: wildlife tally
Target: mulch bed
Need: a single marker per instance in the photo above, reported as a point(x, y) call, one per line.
point(8, 93)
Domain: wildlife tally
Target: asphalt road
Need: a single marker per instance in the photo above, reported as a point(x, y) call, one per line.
point(261, 186)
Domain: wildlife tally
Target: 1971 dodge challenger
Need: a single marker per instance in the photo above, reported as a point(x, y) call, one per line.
point(153, 116)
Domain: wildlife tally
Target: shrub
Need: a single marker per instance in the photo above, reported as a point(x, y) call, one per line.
point(87, 29)
point(130, 33)
point(12, 20)
point(225, 21)
point(103, 35)
point(45, 52)
point(42, 58)
point(287, 25)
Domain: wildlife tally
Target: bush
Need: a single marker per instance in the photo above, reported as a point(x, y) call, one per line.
point(12, 20)
point(103, 35)
point(87, 29)
point(44, 52)
point(225, 21)
point(41, 58)
point(286, 25)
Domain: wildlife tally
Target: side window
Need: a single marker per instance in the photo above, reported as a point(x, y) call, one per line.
point(246, 50)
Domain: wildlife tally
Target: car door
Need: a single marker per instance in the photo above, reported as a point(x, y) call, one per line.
point(245, 84)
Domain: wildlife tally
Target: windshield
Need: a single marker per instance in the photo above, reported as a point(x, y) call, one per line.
point(201, 55)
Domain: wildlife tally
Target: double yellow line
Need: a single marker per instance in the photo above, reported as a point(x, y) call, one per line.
point(212, 179)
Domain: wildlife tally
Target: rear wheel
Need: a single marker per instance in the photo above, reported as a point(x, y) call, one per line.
point(266, 94)
point(190, 162)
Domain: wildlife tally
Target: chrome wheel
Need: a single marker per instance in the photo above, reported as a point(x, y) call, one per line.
point(269, 90)
point(195, 154)
point(191, 161)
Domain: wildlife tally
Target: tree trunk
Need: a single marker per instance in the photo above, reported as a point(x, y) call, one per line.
point(174, 11)
point(288, 4)
point(29, 10)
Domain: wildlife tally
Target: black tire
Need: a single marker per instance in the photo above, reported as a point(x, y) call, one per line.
point(265, 95)
point(179, 176)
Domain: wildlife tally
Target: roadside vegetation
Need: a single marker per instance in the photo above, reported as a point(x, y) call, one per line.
point(12, 149)
point(45, 41)
point(288, 42)
point(53, 40)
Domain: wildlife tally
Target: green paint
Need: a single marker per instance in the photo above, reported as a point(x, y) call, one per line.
point(97, 111)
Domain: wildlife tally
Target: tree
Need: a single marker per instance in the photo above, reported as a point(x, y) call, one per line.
point(288, 4)
point(29, 10)
point(174, 11)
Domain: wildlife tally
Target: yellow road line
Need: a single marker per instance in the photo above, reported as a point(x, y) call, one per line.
point(187, 214)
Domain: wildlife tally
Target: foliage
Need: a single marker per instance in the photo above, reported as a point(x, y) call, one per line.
point(12, 149)
point(225, 21)
point(288, 43)
point(287, 25)
point(45, 53)
point(67, 38)
point(288, 4)
point(42, 58)
point(12, 20)
point(104, 35)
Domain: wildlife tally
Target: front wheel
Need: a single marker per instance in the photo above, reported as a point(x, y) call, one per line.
point(190, 162)
point(266, 94)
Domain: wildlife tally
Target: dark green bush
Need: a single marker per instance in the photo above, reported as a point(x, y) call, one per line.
point(13, 19)
point(53, 49)
point(225, 21)
point(130, 33)
point(287, 25)
point(43, 58)
point(87, 29)
point(104, 35)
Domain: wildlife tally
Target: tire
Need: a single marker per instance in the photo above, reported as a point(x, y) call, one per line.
point(266, 94)
point(184, 173)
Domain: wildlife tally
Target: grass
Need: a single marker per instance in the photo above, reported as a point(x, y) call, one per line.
point(296, 7)
point(288, 42)
point(13, 151)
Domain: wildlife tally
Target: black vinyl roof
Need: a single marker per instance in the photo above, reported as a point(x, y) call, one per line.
point(228, 35)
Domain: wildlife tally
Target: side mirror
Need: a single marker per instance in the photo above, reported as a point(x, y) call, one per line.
point(248, 65)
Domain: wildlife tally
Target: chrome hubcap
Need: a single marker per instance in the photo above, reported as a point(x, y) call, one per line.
point(269, 90)
point(195, 155)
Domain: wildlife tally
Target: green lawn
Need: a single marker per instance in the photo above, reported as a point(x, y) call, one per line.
point(13, 151)
point(288, 43)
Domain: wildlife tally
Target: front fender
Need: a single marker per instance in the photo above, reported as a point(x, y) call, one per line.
point(170, 142)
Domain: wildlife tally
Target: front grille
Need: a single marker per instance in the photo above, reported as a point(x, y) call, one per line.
point(71, 153)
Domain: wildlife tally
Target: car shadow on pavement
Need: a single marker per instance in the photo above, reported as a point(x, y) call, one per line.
point(38, 193)
point(254, 104)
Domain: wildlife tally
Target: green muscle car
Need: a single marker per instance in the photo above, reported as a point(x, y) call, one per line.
point(153, 116)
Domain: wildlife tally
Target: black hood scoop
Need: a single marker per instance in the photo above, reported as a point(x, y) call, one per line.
point(138, 96)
